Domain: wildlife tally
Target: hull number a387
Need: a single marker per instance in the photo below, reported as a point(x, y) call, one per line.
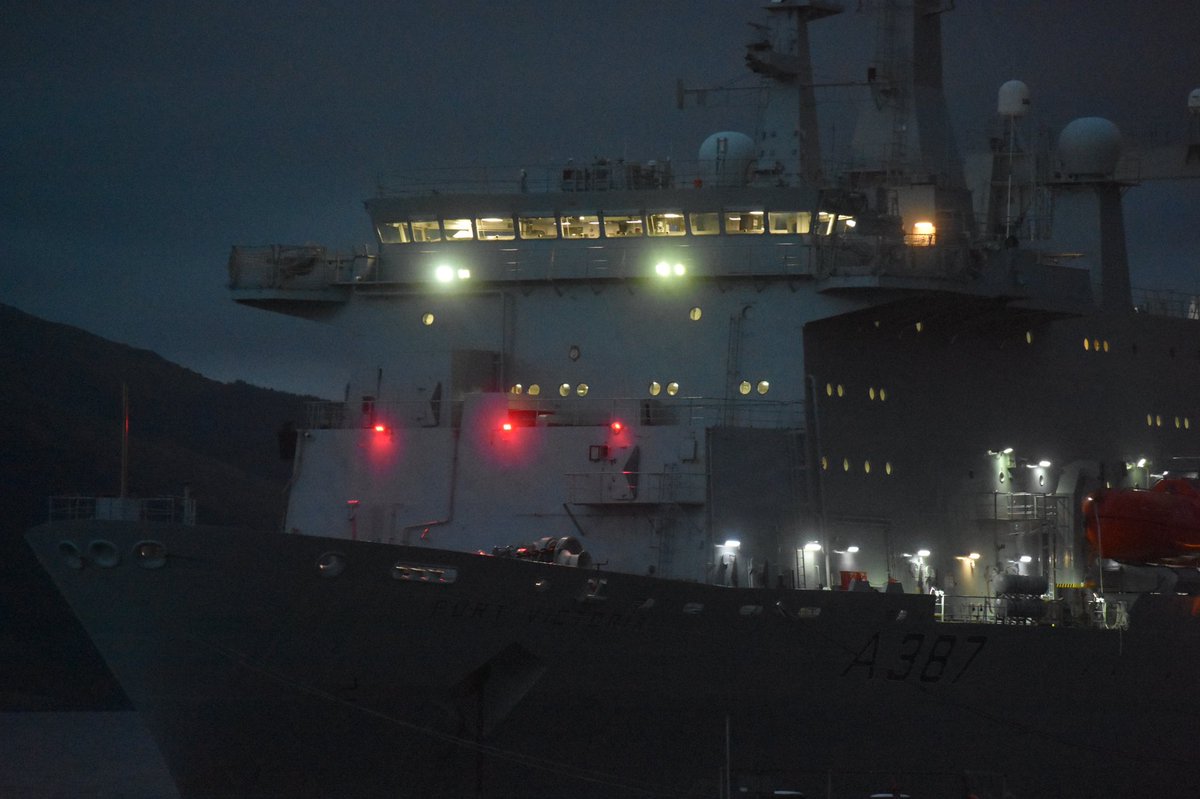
point(918, 656)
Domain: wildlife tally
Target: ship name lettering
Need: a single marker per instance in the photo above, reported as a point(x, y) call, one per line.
point(914, 660)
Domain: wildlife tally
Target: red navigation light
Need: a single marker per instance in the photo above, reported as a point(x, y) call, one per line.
point(506, 426)
point(617, 427)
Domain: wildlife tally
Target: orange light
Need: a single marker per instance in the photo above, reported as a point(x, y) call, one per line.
point(617, 427)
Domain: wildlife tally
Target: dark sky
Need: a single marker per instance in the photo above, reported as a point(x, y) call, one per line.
point(139, 140)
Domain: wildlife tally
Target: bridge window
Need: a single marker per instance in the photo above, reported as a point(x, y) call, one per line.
point(784, 222)
point(539, 227)
point(581, 227)
point(494, 228)
point(666, 223)
point(737, 222)
point(619, 226)
point(394, 233)
point(457, 229)
point(705, 224)
point(425, 230)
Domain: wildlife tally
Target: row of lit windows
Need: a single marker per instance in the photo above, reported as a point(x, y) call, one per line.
point(610, 225)
point(872, 392)
point(867, 466)
point(1156, 420)
point(1095, 345)
point(694, 314)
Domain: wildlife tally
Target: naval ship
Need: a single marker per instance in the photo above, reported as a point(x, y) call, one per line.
point(759, 474)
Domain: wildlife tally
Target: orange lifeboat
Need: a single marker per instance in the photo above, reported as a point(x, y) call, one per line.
point(1161, 525)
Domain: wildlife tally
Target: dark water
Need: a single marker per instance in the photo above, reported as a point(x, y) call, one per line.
point(80, 755)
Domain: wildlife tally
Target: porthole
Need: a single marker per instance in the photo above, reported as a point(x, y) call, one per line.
point(763, 386)
point(695, 314)
point(672, 388)
point(871, 393)
point(534, 389)
point(1087, 343)
point(883, 395)
point(517, 389)
point(1001, 477)
point(867, 467)
point(920, 326)
point(69, 552)
point(564, 390)
point(887, 467)
point(1158, 420)
point(655, 388)
point(841, 390)
point(581, 389)
point(845, 464)
point(427, 319)
point(1041, 479)
point(1178, 424)
point(331, 564)
point(744, 388)
point(104, 553)
point(829, 389)
point(1028, 336)
point(573, 353)
point(1149, 420)
point(1096, 344)
point(150, 554)
point(1105, 345)
point(824, 464)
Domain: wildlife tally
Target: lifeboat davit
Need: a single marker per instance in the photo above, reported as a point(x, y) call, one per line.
point(1161, 525)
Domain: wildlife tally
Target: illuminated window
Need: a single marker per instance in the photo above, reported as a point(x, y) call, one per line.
point(620, 226)
point(763, 386)
point(783, 222)
point(1149, 420)
point(1158, 420)
point(871, 393)
point(695, 314)
point(666, 223)
point(1105, 342)
point(517, 389)
point(883, 395)
point(426, 230)
point(534, 389)
point(1087, 343)
point(824, 463)
point(744, 388)
point(458, 229)
point(538, 227)
point(672, 388)
point(394, 233)
point(705, 224)
point(581, 227)
point(1177, 423)
point(845, 464)
point(887, 467)
point(829, 389)
point(920, 326)
point(867, 467)
point(427, 319)
point(655, 388)
point(581, 389)
point(564, 390)
point(739, 222)
point(1096, 345)
point(924, 234)
point(1028, 336)
point(841, 390)
point(828, 224)
point(495, 228)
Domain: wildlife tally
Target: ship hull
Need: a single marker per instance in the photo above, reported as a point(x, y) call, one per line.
point(404, 671)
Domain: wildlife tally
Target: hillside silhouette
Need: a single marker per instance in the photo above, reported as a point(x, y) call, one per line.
point(61, 435)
